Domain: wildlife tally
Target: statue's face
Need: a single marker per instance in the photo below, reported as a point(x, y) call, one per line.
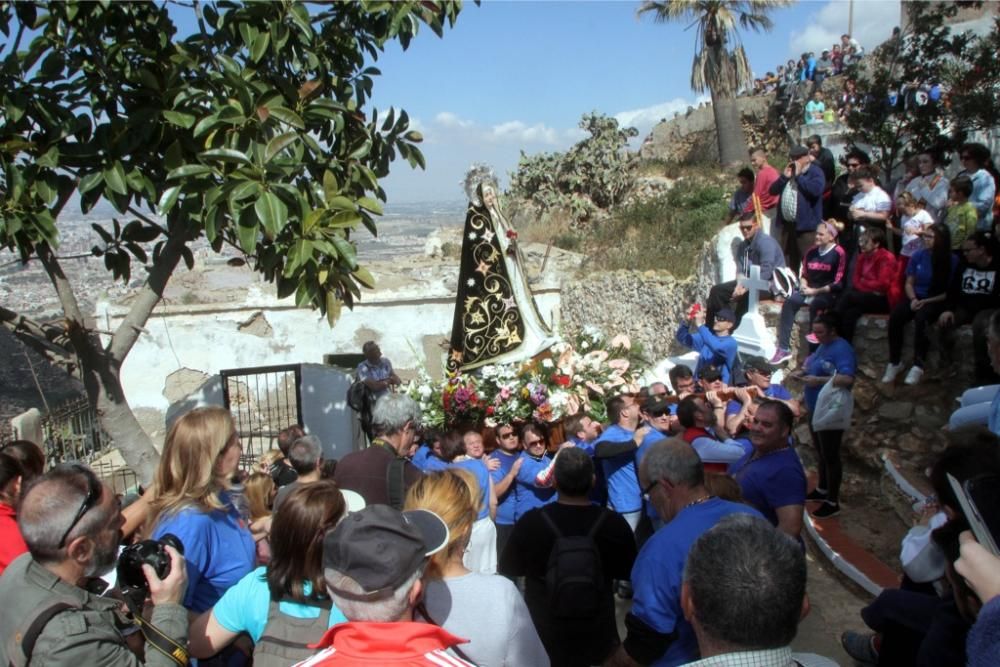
point(489, 197)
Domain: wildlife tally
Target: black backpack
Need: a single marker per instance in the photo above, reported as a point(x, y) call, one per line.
point(286, 639)
point(574, 578)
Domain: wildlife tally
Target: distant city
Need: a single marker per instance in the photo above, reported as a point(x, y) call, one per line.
point(26, 289)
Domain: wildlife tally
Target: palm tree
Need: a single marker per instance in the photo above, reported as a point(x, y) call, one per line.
point(717, 66)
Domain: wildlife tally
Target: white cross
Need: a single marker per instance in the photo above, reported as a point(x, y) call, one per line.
point(754, 283)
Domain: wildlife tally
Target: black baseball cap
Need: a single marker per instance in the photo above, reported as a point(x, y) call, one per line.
point(726, 314)
point(380, 547)
point(798, 151)
point(757, 364)
point(656, 406)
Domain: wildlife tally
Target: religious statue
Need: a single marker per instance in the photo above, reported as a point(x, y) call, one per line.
point(496, 318)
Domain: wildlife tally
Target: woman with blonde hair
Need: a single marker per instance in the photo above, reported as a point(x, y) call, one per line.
point(192, 501)
point(259, 491)
point(454, 596)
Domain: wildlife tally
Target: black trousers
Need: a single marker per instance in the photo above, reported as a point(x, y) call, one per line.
point(855, 303)
point(903, 313)
point(721, 296)
point(831, 468)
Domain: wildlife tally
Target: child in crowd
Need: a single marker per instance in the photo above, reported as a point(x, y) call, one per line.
point(962, 216)
point(912, 220)
point(815, 108)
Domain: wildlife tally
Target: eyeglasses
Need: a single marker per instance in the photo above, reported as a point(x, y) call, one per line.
point(504, 436)
point(93, 495)
point(746, 228)
point(649, 489)
point(534, 442)
point(762, 371)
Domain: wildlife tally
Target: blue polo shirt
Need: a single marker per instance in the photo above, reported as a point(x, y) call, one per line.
point(772, 391)
point(659, 569)
point(482, 475)
point(771, 481)
point(427, 461)
point(527, 495)
point(624, 494)
point(506, 502)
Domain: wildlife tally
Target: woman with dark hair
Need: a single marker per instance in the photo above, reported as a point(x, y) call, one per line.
point(20, 462)
point(292, 583)
point(833, 358)
point(928, 277)
point(871, 280)
point(977, 163)
point(930, 186)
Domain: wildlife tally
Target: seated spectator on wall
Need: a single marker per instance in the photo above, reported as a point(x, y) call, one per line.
point(913, 219)
point(976, 162)
point(815, 108)
point(757, 249)
point(820, 282)
point(871, 206)
point(961, 217)
point(715, 346)
point(871, 281)
point(973, 297)
point(928, 277)
point(848, 100)
point(741, 195)
point(930, 186)
point(801, 187)
point(746, 615)
point(824, 157)
point(824, 67)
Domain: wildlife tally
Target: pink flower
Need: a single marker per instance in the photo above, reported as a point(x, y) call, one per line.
point(595, 388)
point(622, 341)
point(619, 364)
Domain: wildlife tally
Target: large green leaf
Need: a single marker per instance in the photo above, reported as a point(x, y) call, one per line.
point(114, 177)
point(271, 212)
point(278, 144)
point(225, 155)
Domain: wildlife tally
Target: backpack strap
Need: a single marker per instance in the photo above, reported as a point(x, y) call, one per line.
point(592, 533)
point(37, 623)
point(551, 523)
point(395, 482)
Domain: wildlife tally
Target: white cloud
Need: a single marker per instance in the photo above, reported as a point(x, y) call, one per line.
point(645, 118)
point(448, 119)
point(873, 24)
point(515, 130)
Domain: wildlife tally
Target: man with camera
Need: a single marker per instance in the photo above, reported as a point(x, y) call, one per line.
point(72, 524)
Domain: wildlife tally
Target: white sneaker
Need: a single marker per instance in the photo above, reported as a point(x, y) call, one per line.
point(891, 371)
point(913, 377)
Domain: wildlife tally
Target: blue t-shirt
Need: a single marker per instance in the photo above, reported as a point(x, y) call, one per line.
point(624, 494)
point(773, 391)
point(218, 550)
point(528, 496)
point(771, 481)
point(921, 267)
point(651, 437)
point(834, 356)
point(712, 350)
point(482, 475)
point(244, 607)
point(507, 502)
point(427, 461)
point(658, 573)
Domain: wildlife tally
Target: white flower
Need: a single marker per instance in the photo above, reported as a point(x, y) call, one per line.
point(583, 344)
point(547, 363)
point(425, 392)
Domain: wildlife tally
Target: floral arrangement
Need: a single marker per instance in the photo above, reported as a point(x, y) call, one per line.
point(581, 374)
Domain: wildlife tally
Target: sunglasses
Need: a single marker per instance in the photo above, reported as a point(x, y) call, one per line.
point(93, 496)
point(649, 489)
point(533, 443)
point(746, 228)
point(508, 434)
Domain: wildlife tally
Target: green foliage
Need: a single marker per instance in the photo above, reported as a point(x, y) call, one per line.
point(252, 131)
point(927, 53)
point(665, 233)
point(593, 174)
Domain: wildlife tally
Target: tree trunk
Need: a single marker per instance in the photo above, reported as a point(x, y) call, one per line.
point(729, 130)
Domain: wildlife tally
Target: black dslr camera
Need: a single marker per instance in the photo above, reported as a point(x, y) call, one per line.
point(147, 552)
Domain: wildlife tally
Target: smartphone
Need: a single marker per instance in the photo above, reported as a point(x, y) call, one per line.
point(980, 501)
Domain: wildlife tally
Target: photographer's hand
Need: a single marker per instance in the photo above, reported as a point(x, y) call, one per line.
point(171, 589)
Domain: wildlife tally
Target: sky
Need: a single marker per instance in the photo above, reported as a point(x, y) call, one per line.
point(515, 76)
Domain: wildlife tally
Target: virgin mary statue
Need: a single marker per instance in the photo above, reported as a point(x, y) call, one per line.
point(496, 319)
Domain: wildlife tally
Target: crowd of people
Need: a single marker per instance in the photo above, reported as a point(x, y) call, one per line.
point(797, 77)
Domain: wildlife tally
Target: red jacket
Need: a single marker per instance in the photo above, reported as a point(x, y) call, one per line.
point(762, 188)
point(693, 433)
point(874, 271)
point(11, 543)
point(359, 644)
